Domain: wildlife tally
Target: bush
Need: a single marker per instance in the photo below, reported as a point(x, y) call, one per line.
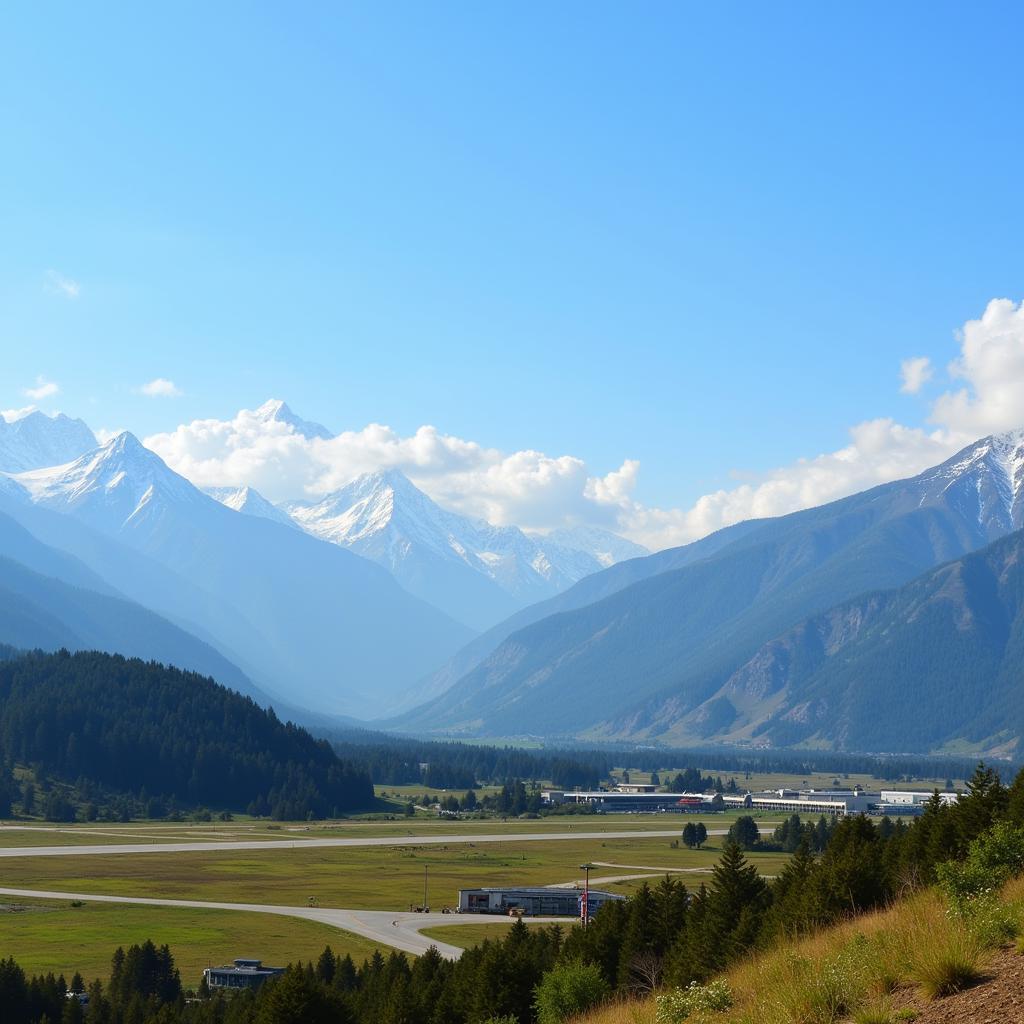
point(681, 1003)
point(568, 990)
point(991, 859)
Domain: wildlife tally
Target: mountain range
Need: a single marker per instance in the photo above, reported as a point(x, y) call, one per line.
point(236, 588)
point(302, 618)
point(641, 650)
point(889, 620)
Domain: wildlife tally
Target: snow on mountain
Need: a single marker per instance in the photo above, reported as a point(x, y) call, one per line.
point(443, 556)
point(115, 485)
point(986, 477)
point(250, 502)
point(333, 631)
point(278, 412)
point(37, 440)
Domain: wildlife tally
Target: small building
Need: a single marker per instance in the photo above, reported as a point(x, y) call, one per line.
point(531, 901)
point(241, 974)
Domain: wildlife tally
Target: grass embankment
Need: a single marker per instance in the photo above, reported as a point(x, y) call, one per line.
point(896, 965)
point(373, 878)
point(46, 935)
point(469, 935)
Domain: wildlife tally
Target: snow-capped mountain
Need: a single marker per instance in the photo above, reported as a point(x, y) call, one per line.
point(476, 572)
point(250, 502)
point(332, 631)
point(986, 479)
point(117, 485)
point(36, 440)
point(277, 411)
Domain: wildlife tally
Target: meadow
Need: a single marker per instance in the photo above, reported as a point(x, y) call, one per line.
point(50, 935)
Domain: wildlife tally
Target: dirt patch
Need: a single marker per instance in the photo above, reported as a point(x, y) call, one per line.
point(998, 999)
point(26, 908)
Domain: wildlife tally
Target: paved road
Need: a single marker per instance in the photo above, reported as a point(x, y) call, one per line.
point(398, 929)
point(304, 844)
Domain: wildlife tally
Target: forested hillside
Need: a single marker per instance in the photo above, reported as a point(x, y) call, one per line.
point(106, 725)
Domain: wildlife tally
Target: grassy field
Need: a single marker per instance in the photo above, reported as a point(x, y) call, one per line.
point(385, 878)
point(49, 936)
point(467, 935)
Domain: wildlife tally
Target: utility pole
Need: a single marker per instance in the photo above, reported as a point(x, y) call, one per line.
point(585, 905)
point(426, 869)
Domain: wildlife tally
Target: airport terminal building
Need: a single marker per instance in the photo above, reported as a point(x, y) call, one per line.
point(531, 901)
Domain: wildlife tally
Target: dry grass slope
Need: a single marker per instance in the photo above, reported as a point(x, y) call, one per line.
point(915, 961)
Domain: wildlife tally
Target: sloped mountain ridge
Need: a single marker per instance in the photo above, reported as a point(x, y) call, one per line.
point(935, 664)
point(666, 640)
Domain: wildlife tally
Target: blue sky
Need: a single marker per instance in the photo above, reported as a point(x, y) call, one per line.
point(699, 236)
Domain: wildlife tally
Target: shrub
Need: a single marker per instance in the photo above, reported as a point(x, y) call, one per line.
point(992, 858)
point(948, 960)
point(568, 990)
point(681, 1003)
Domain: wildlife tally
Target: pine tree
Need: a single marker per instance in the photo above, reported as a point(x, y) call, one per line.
point(985, 801)
point(736, 901)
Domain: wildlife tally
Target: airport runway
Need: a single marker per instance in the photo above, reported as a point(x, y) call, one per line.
point(303, 844)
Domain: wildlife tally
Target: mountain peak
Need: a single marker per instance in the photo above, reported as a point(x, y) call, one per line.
point(250, 502)
point(121, 474)
point(35, 440)
point(276, 410)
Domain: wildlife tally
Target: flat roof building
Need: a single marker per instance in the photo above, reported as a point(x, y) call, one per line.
point(242, 974)
point(807, 801)
point(646, 801)
point(531, 901)
point(912, 801)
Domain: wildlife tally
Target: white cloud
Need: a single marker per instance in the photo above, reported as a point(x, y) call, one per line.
point(10, 415)
point(44, 389)
point(915, 373)
point(538, 491)
point(161, 387)
point(991, 364)
point(991, 367)
point(527, 488)
point(58, 284)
